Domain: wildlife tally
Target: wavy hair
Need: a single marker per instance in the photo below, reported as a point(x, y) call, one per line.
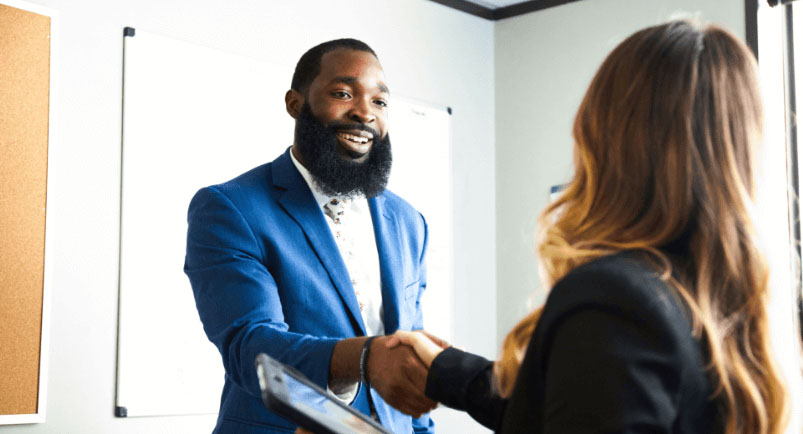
point(667, 141)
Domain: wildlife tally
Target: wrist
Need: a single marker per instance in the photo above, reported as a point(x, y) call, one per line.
point(344, 366)
point(365, 352)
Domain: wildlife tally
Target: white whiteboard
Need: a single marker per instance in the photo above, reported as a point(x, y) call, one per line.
point(192, 117)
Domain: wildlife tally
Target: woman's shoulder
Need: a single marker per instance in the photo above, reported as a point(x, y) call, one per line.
point(625, 284)
point(618, 340)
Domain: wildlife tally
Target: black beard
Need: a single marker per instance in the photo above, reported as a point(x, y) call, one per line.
point(335, 176)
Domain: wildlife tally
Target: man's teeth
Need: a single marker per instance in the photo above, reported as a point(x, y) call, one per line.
point(354, 138)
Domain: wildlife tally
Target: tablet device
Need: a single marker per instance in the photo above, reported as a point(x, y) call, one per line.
point(290, 394)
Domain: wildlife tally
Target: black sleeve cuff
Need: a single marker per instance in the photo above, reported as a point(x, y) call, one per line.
point(451, 375)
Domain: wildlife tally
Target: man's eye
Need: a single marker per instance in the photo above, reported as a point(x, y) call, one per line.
point(381, 103)
point(340, 94)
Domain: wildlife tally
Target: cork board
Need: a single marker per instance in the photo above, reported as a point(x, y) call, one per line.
point(25, 38)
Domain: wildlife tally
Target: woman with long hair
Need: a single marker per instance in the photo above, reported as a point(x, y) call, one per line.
point(657, 319)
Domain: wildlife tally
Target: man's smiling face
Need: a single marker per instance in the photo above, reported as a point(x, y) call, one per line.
point(349, 95)
point(340, 134)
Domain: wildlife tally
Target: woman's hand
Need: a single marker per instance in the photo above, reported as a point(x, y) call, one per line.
point(426, 346)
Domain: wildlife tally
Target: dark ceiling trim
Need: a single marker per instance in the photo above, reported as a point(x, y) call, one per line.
point(468, 7)
point(501, 13)
point(527, 7)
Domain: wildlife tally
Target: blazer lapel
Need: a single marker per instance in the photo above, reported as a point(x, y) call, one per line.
point(388, 241)
point(299, 203)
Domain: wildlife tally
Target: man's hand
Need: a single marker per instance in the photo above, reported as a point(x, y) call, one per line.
point(426, 346)
point(399, 376)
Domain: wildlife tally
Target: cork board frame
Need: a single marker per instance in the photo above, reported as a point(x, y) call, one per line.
point(27, 127)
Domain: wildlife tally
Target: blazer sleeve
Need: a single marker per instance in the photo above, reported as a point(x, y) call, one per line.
point(463, 381)
point(237, 298)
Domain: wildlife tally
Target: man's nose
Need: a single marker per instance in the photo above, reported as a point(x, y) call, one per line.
point(362, 112)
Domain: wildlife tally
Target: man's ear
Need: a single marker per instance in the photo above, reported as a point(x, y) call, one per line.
point(293, 101)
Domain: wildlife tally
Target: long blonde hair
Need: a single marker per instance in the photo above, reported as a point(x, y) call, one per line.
point(666, 143)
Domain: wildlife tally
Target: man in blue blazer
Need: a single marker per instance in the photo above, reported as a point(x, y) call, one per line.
point(275, 266)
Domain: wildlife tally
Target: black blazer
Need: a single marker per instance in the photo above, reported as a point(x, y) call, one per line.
point(613, 352)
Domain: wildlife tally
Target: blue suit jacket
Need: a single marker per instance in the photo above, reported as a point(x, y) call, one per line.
point(268, 277)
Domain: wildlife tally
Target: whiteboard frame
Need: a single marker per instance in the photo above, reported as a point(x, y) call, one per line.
point(129, 402)
point(47, 286)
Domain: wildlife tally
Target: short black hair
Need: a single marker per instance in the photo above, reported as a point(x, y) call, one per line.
point(309, 65)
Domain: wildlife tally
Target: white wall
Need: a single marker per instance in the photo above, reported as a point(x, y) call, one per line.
point(429, 53)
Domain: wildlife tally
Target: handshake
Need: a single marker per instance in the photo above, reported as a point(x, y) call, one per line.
point(397, 369)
